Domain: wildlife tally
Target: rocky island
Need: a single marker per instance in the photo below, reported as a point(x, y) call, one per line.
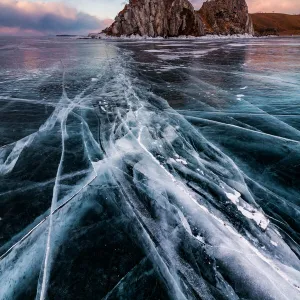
point(165, 18)
point(173, 18)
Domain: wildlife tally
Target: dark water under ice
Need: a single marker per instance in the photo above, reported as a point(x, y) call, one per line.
point(166, 169)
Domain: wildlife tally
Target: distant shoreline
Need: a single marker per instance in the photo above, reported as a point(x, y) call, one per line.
point(67, 35)
point(205, 37)
point(276, 23)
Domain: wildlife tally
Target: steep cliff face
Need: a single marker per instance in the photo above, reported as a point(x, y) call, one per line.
point(226, 17)
point(167, 18)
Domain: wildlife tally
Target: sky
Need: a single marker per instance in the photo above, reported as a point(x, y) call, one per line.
point(36, 17)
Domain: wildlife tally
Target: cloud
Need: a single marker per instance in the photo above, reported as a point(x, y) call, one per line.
point(283, 6)
point(28, 17)
point(45, 18)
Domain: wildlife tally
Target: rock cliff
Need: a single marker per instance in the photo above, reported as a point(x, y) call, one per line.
point(226, 17)
point(166, 18)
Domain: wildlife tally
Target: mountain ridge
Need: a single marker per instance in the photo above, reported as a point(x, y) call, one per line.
point(276, 23)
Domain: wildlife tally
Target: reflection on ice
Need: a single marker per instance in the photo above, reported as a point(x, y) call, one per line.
point(119, 195)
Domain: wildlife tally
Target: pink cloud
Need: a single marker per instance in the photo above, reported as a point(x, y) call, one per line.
point(39, 8)
point(18, 31)
point(284, 6)
point(17, 17)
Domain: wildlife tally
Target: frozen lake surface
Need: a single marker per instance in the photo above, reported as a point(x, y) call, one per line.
point(156, 169)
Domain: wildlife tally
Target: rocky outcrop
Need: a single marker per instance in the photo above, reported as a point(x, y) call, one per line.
point(226, 17)
point(166, 18)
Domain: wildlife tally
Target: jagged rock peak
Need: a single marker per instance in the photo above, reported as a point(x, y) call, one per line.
point(226, 17)
point(166, 18)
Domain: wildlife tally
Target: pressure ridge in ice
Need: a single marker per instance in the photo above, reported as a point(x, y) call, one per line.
point(137, 185)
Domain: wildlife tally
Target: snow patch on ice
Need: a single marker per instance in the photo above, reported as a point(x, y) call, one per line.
point(255, 215)
point(200, 238)
point(234, 197)
point(274, 243)
point(237, 45)
point(182, 161)
point(168, 57)
point(247, 210)
point(240, 97)
point(157, 50)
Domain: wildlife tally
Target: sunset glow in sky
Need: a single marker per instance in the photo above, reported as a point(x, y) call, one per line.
point(82, 16)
